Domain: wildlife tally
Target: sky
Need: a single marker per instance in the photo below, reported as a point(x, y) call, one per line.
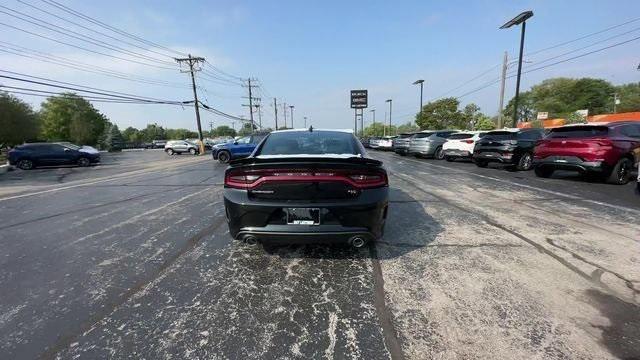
point(311, 53)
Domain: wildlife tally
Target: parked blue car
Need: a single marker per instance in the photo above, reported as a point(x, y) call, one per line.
point(28, 156)
point(239, 148)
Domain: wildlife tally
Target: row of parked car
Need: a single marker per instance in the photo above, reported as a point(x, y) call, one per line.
point(603, 150)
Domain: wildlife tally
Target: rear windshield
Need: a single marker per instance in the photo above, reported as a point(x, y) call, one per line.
point(578, 132)
point(422, 135)
point(460, 136)
point(500, 135)
point(309, 142)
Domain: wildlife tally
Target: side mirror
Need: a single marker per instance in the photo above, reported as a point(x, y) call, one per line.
point(235, 143)
point(67, 149)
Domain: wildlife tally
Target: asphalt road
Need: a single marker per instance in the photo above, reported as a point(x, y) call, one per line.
point(132, 259)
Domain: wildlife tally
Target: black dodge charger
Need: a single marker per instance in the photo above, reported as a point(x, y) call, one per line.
point(307, 186)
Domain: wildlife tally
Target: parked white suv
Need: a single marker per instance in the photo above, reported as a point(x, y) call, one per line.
point(179, 147)
point(460, 145)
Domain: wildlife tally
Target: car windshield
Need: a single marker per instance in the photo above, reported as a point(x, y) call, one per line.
point(570, 132)
point(460, 136)
point(309, 142)
point(501, 135)
point(404, 136)
point(71, 146)
point(422, 135)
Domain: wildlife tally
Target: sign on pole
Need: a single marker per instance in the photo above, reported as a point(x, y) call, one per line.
point(543, 115)
point(359, 99)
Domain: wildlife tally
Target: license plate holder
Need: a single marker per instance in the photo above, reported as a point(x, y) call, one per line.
point(303, 216)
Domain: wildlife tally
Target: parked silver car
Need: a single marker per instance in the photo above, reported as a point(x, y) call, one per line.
point(429, 143)
point(401, 143)
point(180, 146)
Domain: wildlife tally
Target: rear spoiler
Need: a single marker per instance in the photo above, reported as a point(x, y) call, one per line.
point(351, 160)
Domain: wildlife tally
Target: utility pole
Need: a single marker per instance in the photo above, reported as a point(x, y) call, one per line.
point(374, 117)
point(193, 67)
point(390, 108)
point(284, 112)
point(253, 125)
point(257, 106)
point(291, 107)
point(502, 84)
point(275, 109)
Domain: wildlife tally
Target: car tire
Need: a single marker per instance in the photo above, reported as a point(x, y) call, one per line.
point(25, 164)
point(170, 151)
point(525, 162)
point(621, 173)
point(449, 158)
point(83, 162)
point(543, 172)
point(481, 163)
point(224, 157)
point(439, 154)
point(192, 151)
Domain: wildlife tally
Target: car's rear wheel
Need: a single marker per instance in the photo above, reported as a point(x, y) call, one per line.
point(481, 163)
point(83, 162)
point(25, 164)
point(525, 162)
point(224, 157)
point(543, 172)
point(170, 151)
point(439, 154)
point(192, 151)
point(621, 173)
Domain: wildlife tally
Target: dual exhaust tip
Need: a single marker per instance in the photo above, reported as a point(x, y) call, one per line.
point(355, 241)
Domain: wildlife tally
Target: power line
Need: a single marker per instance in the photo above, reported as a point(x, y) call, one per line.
point(109, 27)
point(81, 88)
point(583, 37)
point(85, 49)
point(81, 37)
point(52, 59)
point(44, 93)
point(92, 30)
point(223, 72)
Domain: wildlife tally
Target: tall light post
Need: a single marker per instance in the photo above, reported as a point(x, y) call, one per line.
point(373, 111)
point(305, 122)
point(421, 82)
point(520, 19)
point(291, 107)
point(390, 103)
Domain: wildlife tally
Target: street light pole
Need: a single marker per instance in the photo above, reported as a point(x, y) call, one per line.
point(520, 19)
point(390, 108)
point(305, 122)
point(291, 107)
point(421, 82)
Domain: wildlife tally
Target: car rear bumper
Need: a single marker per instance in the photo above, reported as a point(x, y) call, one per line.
point(339, 220)
point(422, 150)
point(489, 156)
point(572, 163)
point(457, 153)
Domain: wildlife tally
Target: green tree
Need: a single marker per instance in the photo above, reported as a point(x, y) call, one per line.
point(441, 114)
point(380, 129)
point(408, 128)
point(132, 134)
point(629, 95)
point(484, 123)
point(526, 109)
point(69, 117)
point(114, 140)
point(153, 132)
point(247, 129)
point(471, 114)
point(18, 122)
point(180, 134)
point(223, 130)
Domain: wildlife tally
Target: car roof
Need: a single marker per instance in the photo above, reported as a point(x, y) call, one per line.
point(314, 129)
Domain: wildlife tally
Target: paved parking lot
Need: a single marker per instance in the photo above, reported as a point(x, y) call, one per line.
point(132, 258)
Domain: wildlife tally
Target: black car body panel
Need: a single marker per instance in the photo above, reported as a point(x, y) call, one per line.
point(506, 146)
point(325, 186)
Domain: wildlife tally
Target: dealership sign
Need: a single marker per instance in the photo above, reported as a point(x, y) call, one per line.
point(359, 99)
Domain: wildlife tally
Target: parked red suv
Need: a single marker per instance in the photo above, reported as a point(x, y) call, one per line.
point(610, 150)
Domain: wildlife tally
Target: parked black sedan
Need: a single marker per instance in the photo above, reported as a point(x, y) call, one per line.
point(30, 155)
point(307, 186)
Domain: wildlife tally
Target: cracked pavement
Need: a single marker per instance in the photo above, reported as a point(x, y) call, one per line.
point(132, 259)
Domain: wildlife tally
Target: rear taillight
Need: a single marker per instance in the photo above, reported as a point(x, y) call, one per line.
point(250, 179)
point(467, 141)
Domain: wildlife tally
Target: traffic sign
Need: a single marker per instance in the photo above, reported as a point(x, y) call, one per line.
point(359, 99)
